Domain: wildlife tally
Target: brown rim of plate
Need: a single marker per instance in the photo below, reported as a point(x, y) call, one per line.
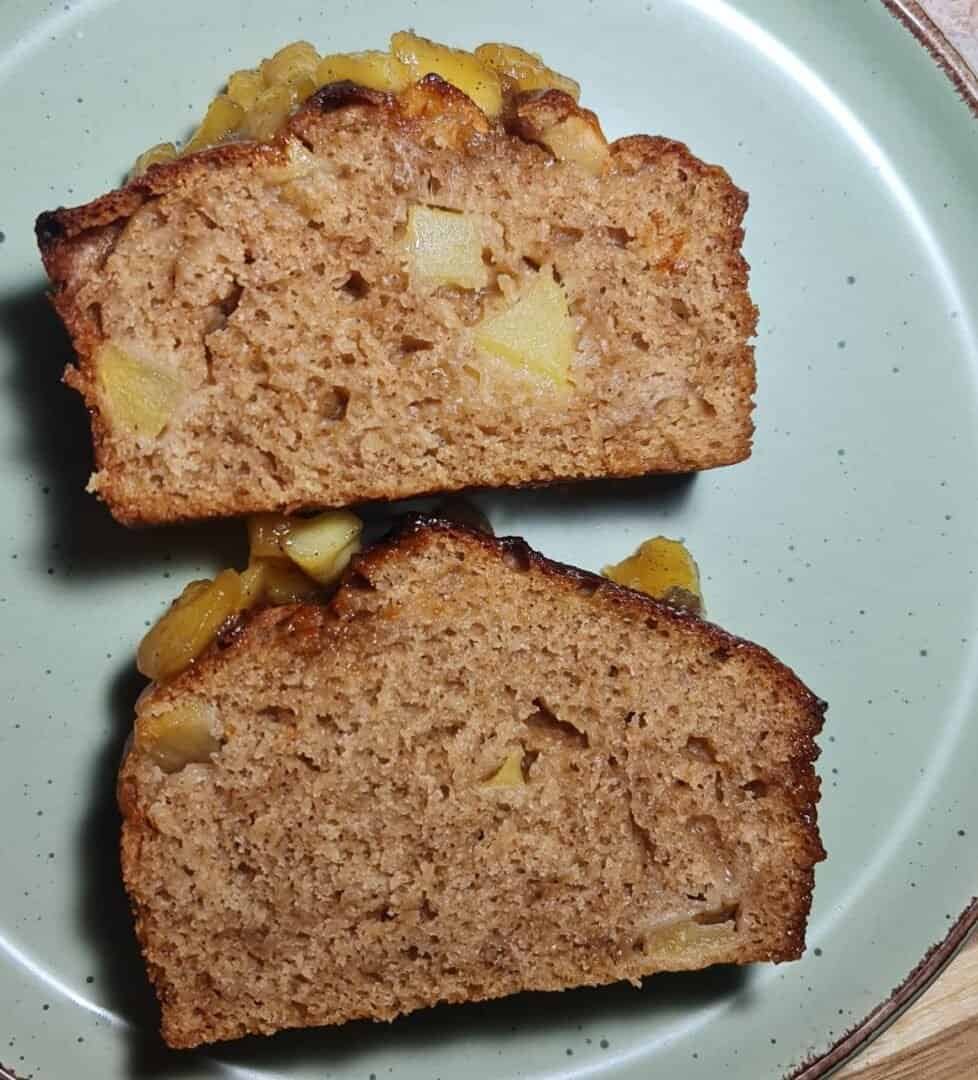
point(965, 80)
point(929, 34)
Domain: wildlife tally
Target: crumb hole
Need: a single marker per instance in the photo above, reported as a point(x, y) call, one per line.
point(723, 914)
point(229, 303)
point(335, 403)
point(546, 722)
point(277, 714)
point(209, 362)
point(757, 789)
point(356, 285)
point(618, 236)
point(701, 749)
point(412, 344)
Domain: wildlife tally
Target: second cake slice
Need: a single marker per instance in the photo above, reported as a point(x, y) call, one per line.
point(474, 772)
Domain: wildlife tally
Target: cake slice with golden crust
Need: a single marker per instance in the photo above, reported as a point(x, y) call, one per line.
point(474, 772)
point(400, 295)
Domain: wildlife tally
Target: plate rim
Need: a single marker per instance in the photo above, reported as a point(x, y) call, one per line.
point(913, 16)
point(852, 1042)
point(943, 51)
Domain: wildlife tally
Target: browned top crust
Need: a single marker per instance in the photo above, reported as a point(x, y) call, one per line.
point(531, 111)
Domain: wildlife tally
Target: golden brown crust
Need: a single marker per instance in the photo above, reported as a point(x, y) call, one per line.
point(75, 241)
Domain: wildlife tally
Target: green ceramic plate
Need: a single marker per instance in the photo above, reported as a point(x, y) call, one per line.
point(847, 543)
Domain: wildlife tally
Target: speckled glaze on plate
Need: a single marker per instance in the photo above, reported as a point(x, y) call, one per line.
point(846, 544)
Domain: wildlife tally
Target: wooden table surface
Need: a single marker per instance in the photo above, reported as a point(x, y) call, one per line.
point(936, 1038)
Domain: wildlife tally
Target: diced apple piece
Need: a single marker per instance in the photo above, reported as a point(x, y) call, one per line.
point(291, 64)
point(460, 68)
point(271, 109)
point(136, 396)
point(190, 625)
point(244, 87)
point(297, 164)
point(284, 583)
point(267, 534)
point(510, 773)
point(574, 139)
point(688, 940)
point(176, 738)
point(526, 70)
point(664, 569)
point(323, 545)
point(253, 581)
point(445, 247)
point(372, 69)
point(223, 118)
point(155, 155)
point(535, 334)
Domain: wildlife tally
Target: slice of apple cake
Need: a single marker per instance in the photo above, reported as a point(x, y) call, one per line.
point(403, 292)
